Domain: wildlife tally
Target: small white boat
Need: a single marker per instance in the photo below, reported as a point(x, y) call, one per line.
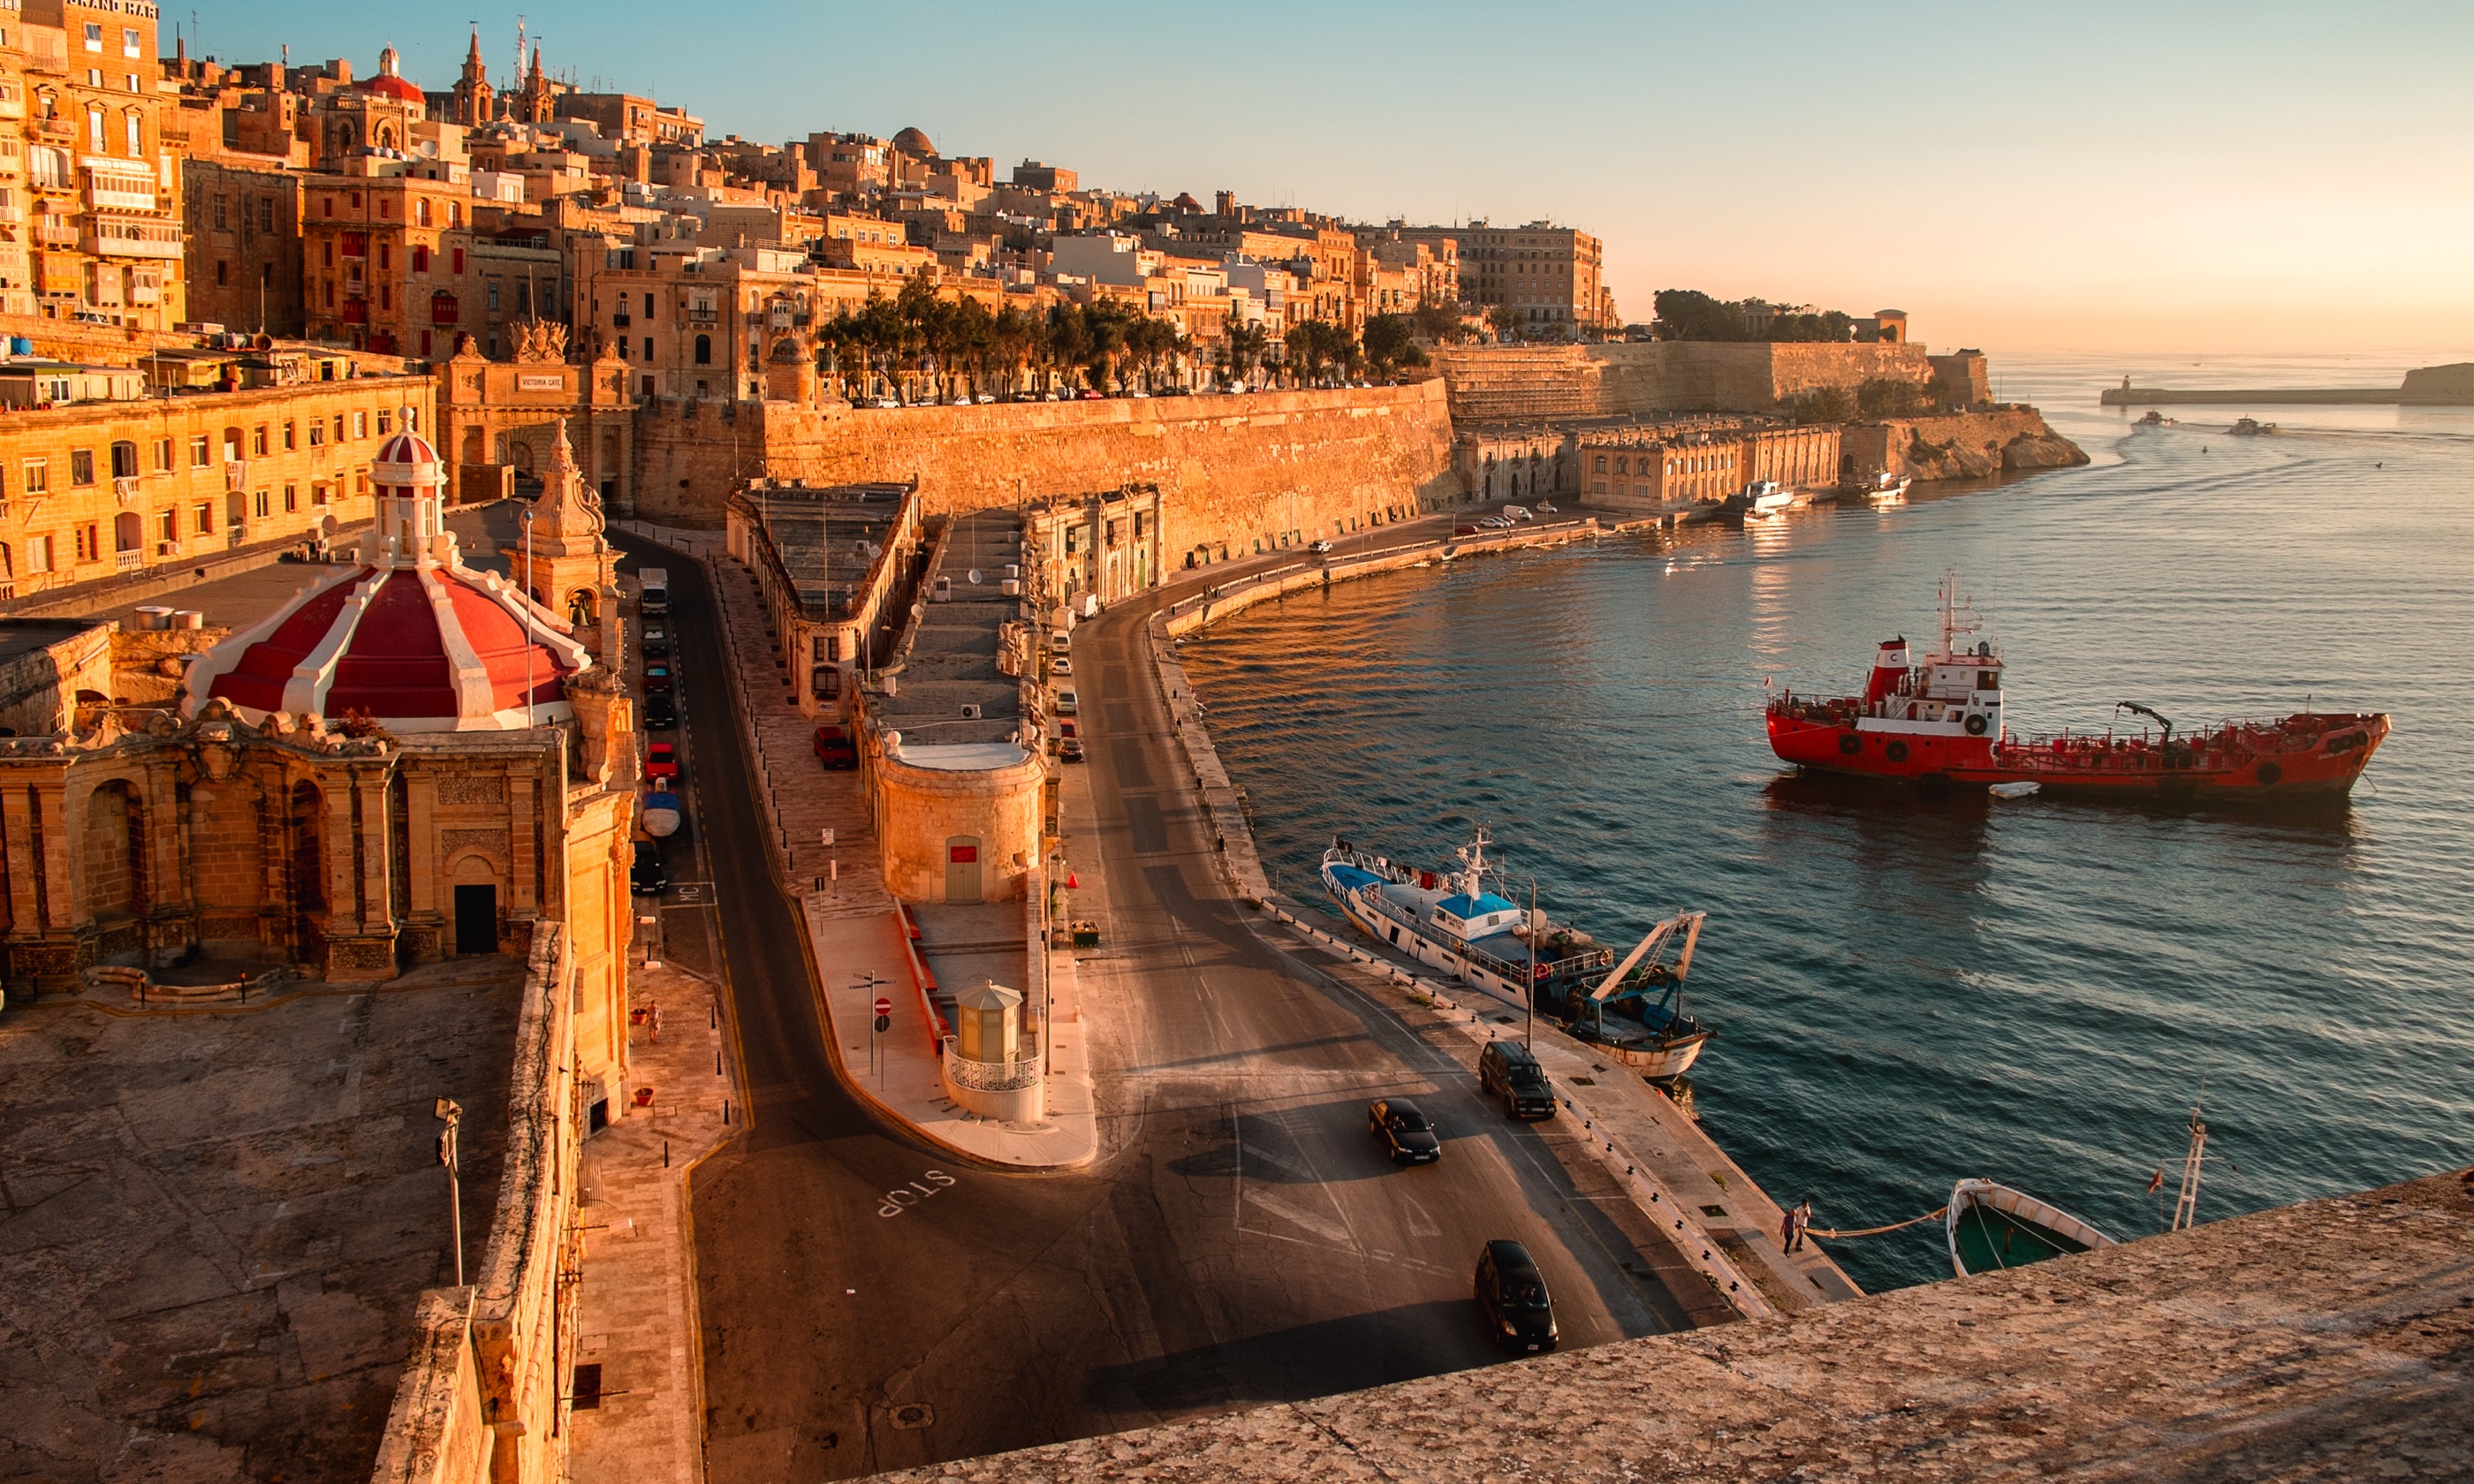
point(1767, 498)
point(1993, 1228)
point(2017, 790)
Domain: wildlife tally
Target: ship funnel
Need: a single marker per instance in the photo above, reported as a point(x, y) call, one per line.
point(1889, 670)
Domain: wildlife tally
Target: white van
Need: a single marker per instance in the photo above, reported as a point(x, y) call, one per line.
point(1066, 704)
point(1518, 513)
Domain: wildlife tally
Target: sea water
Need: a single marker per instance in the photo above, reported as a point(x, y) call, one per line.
point(1911, 991)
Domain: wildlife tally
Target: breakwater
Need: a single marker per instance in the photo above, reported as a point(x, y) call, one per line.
point(2427, 386)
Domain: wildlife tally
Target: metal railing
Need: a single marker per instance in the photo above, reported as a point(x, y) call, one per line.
point(1023, 1071)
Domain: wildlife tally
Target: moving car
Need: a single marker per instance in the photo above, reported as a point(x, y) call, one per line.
point(1403, 1131)
point(648, 877)
point(1510, 1071)
point(1319, 548)
point(1070, 749)
point(835, 747)
point(1512, 1295)
point(662, 762)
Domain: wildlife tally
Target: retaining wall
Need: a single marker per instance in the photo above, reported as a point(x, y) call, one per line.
point(1513, 384)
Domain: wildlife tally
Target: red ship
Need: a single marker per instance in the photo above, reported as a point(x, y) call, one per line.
point(1940, 723)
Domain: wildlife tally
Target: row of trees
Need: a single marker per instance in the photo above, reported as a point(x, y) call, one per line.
point(1689, 314)
point(1882, 397)
point(943, 347)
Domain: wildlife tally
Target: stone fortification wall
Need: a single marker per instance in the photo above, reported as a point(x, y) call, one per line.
point(1239, 472)
point(1961, 445)
point(2320, 1341)
point(1498, 385)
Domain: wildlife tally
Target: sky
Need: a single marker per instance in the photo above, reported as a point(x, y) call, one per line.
point(2224, 177)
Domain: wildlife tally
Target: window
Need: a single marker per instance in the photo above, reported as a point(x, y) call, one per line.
point(386, 254)
point(291, 498)
point(38, 554)
point(168, 526)
point(266, 213)
point(162, 456)
point(39, 476)
point(317, 433)
point(257, 440)
point(290, 442)
point(421, 259)
point(93, 37)
point(317, 495)
point(649, 347)
point(421, 212)
point(89, 542)
point(128, 46)
point(360, 424)
point(386, 423)
point(459, 260)
point(494, 296)
point(339, 427)
point(223, 273)
point(200, 451)
point(124, 460)
point(206, 518)
point(94, 136)
point(82, 467)
point(219, 213)
point(648, 306)
point(704, 350)
point(135, 132)
point(259, 504)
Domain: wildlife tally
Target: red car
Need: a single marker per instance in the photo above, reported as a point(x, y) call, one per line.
point(657, 680)
point(662, 762)
point(835, 747)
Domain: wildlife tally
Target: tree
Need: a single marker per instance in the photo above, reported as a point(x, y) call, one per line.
point(1884, 396)
point(1822, 404)
point(1247, 343)
point(1440, 321)
point(1391, 340)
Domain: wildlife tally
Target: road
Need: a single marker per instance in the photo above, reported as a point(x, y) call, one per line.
point(1240, 1240)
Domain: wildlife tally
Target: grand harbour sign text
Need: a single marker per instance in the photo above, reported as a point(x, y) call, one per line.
point(144, 10)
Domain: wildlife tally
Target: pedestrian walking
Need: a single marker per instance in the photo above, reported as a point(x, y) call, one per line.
point(1802, 1219)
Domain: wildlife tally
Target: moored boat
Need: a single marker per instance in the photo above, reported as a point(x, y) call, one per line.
point(1993, 1228)
point(661, 814)
point(1940, 722)
point(1453, 922)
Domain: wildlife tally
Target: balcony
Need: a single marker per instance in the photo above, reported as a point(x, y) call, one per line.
point(128, 560)
point(51, 232)
point(13, 216)
point(125, 488)
point(54, 131)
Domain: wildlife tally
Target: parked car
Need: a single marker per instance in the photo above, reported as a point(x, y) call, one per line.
point(1067, 704)
point(1070, 749)
point(886, 403)
point(659, 714)
point(835, 747)
point(1094, 396)
point(1066, 727)
point(1510, 1070)
point(1062, 664)
point(648, 876)
point(1512, 1294)
point(1464, 530)
point(656, 679)
point(1060, 642)
point(1548, 506)
point(662, 762)
point(656, 651)
point(1319, 548)
point(1403, 1131)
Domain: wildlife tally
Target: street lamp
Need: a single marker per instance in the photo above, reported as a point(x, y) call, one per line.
point(450, 1115)
point(526, 591)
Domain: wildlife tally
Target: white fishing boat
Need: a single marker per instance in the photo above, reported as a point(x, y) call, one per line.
point(1767, 498)
point(2021, 789)
point(1452, 921)
point(1993, 1228)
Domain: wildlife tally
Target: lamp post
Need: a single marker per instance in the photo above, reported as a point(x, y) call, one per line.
point(450, 1115)
point(1529, 992)
point(526, 590)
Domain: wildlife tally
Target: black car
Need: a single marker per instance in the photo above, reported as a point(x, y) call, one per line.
point(1512, 1295)
point(656, 647)
point(1510, 1071)
point(649, 877)
point(1403, 1131)
point(660, 714)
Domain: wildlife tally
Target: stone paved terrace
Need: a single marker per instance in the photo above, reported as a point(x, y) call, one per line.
point(217, 1222)
point(2330, 1341)
point(953, 659)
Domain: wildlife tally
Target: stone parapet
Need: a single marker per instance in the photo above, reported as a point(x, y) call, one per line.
point(2320, 1341)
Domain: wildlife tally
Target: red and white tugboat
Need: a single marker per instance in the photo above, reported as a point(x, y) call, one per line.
point(1940, 723)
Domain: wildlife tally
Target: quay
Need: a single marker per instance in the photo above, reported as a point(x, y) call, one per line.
point(2428, 386)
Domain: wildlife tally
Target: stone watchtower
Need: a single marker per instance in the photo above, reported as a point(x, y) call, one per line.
point(568, 566)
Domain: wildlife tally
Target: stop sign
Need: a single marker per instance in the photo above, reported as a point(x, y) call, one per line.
point(884, 1006)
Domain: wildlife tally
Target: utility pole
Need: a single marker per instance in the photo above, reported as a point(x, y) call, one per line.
point(1529, 995)
point(450, 1115)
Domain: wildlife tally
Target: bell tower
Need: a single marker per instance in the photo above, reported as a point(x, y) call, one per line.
point(566, 565)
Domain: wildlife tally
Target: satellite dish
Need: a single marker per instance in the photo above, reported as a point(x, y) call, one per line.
point(975, 577)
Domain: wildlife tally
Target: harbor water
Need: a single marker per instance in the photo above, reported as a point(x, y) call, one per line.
point(1912, 991)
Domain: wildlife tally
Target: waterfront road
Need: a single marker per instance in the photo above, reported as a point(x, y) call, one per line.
point(1238, 1241)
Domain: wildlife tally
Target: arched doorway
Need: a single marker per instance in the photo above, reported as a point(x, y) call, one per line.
point(115, 861)
point(476, 906)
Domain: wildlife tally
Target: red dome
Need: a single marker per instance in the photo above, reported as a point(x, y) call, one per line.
point(393, 87)
point(423, 649)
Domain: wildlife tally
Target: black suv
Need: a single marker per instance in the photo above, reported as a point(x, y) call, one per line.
point(1510, 1071)
point(1512, 1295)
point(1403, 1131)
point(648, 877)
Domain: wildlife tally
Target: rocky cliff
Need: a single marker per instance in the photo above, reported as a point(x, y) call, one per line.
point(1959, 446)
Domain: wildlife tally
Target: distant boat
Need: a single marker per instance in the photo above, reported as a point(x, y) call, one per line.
point(1882, 488)
point(1993, 1228)
point(2250, 427)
